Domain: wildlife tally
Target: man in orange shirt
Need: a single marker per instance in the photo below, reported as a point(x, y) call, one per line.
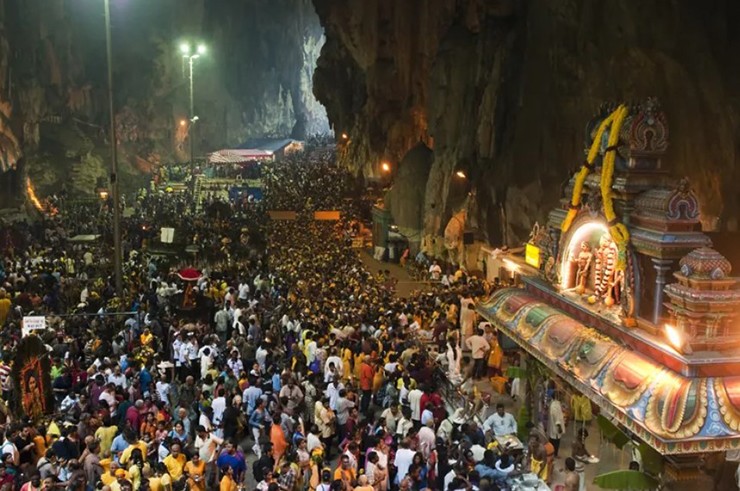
point(345, 473)
point(367, 373)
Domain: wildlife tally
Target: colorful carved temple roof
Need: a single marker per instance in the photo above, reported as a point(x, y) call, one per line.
point(673, 413)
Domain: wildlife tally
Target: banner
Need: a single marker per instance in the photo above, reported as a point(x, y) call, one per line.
point(33, 323)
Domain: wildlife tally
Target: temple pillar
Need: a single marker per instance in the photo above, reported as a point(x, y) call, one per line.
point(662, 266)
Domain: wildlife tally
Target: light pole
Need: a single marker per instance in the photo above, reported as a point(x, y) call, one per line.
point(191, 55)
point(115, 190)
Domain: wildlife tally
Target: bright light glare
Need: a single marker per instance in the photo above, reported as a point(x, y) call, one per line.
point(511, 266)
point(183, 122)
point(582, 233)
point(201, 49)
point(385, 166)
point(460, 174)
point(344, 136)
point(674, 337)
point(185, 48)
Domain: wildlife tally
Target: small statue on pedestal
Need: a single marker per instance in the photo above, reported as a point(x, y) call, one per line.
point(584, 267)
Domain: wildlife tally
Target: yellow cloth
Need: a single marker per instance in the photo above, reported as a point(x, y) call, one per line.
point(106, 434)
point(228, 484)
point(109, 478)
point(496, 355)
point(196, 470)
point(539, 467)
point(581, 406)
point(146, 338)
point(126, 454)
point(175, 465)
point(346, 364)
point(5, 306)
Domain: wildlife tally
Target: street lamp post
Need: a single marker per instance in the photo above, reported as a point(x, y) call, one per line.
point(115, 190)
point(191, 56)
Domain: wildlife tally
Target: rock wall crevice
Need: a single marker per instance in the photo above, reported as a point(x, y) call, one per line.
point(503, 90)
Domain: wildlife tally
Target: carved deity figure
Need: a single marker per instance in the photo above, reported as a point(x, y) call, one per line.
point(584, 267)
point(604, 265)
point(614, 292)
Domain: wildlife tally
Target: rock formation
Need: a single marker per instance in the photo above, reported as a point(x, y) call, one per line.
point(503, 89)
point(254, 81)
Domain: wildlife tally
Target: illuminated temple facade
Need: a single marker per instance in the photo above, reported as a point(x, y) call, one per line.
point(630, 305)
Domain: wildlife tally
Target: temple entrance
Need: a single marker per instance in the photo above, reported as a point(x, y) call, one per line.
point(588, 264)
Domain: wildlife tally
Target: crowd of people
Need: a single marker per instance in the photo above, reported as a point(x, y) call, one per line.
point(294, 369)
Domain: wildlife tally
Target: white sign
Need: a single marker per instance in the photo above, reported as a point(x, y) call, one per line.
point(168, 234)
point(33, 323)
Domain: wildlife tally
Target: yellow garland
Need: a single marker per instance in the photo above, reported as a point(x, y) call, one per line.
point(584, 172)
point(618, 231)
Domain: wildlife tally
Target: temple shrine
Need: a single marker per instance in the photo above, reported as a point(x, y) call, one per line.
point(628, 303)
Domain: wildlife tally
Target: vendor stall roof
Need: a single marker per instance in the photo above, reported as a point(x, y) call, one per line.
point(673, 413)
point(237, 156)
point(84, 238)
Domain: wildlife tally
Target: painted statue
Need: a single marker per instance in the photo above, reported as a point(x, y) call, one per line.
point(605, 260)
point(583, 261)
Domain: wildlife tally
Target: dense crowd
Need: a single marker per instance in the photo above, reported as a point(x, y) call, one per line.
point(293, 368)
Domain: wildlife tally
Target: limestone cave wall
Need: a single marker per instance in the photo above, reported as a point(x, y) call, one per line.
point(502, 90)
point(255, 80)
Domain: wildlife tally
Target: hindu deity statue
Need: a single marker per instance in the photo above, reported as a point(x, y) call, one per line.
point(583, 261)
point(604, 265)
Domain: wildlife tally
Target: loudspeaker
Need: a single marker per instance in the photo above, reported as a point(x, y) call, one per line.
point(468, 238)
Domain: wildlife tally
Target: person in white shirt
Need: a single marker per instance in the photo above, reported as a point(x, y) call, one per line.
point(555, 423)
point(435, 271)
point(235, 363)
point(243, 291)
point(479, 348)
point(261, 358)
point(310, 349)
point(391, 416)
point(219, 406)
point(404, 459)
point(163, 391)
point(500, 423)
point(414, 399)
point(313, 440)
point(404, 425)
point(207, 354)
point(117, 378)
point(427, 439)
point(333, 358)
point(467, 317)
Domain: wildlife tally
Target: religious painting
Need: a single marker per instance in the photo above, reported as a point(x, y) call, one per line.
point(31, 376)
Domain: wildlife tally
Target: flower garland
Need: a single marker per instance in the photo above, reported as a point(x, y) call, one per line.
point(586, 168)
point(618, 230)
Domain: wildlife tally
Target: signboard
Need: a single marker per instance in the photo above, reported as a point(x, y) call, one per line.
point(33, 323)
point(532, 255)
point(282, 215)
point(326, 215)
point(168, 235)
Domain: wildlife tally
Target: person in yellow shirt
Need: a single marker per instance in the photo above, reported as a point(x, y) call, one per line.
point(110, 477)
point(345, 473)
point(105, 435)
point(5, 306)
point(126, 454)
point(175, 462)
point(227, 482)
point(196, 472)
point(146, 337)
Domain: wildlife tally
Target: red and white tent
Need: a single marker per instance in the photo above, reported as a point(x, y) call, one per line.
point(238, 156)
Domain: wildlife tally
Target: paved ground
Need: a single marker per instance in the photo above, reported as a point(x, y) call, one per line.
point(405, 283)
